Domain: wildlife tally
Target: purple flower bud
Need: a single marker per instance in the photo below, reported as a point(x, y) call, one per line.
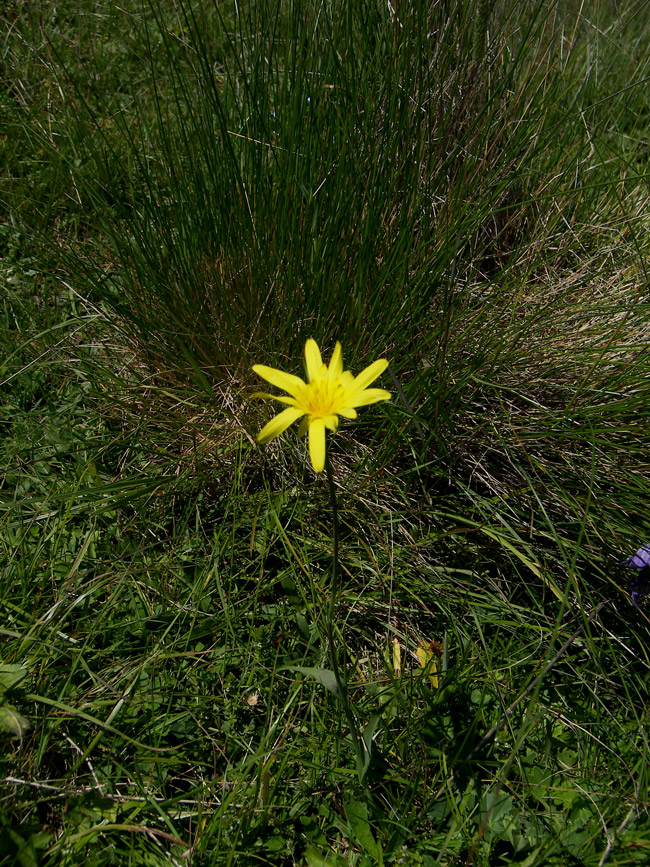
point(638, 560)
point(640, 584)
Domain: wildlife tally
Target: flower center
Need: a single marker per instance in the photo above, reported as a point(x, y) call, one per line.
point(322, 398)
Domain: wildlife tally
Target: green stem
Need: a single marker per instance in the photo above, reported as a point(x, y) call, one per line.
point(340, 675)
point(480, 30)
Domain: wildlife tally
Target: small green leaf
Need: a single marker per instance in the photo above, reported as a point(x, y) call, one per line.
point(25, 854)
point(324, 676)
point(312, 830)
point(276, 843)
point(315, 858)
point(13, 722)
point(356, 813)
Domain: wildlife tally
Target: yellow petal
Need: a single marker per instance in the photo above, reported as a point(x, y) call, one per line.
point(316, 443)
point(370, 374)
point(331, 422)
point(347, 412)
point(366, 397)
point(336, 362)
point(279, 424)
point(286, 381)
point(281, 397)
point(304, 426)
point(313, 360)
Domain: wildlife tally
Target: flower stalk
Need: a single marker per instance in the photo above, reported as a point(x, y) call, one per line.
point(340, 676)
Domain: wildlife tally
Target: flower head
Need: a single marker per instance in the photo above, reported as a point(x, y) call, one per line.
point(329, 392)
point(638, 560)
point(640, 584)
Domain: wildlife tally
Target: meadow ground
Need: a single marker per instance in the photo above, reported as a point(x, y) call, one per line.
point(189, 672)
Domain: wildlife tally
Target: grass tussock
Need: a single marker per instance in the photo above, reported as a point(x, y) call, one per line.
point(189, 189)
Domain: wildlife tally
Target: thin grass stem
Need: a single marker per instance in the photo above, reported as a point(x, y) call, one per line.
point(340, 674)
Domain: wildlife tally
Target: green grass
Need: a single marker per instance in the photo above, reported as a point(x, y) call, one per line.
point(190, 189)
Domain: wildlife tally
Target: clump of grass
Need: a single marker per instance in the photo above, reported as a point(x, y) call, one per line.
point(276, 172)
point(261, 159)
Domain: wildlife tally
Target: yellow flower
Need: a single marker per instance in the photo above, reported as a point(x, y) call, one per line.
point(329, 392)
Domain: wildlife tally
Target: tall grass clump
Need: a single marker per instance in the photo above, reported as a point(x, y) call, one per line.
point(194, 188)
point(361, 174)
point(288, 133)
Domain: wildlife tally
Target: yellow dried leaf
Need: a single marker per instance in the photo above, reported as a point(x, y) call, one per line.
point(397, 657)
point(428, 662)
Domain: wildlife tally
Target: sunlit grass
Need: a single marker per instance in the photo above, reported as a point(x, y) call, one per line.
point(192, 189)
